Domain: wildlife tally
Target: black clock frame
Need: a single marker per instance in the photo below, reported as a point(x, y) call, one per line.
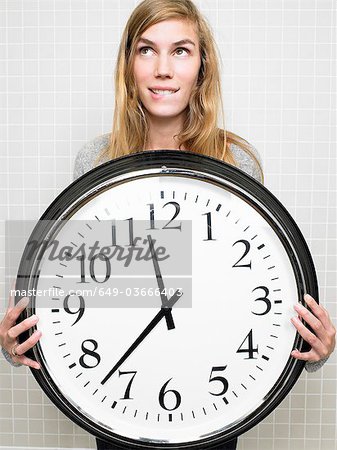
point(246, 187)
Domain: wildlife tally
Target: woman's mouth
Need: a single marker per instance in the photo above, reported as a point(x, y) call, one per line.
point(163, 92)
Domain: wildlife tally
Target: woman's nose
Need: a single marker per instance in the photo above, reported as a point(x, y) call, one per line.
point(163, 67)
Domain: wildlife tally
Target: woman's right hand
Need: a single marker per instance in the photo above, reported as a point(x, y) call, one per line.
point(10, 331)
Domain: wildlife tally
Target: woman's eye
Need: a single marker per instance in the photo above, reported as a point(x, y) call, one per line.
point(144, 50)
point(182, 51)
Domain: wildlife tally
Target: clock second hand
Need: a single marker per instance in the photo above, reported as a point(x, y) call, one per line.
point(175, 297)
point(163, 296)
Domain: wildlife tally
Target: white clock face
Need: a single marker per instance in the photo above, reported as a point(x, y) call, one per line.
point(229, 343)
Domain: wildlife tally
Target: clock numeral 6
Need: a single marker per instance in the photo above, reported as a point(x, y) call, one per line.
point(79, 311)
point(250, 350)
point(163, 393)
point(220, 379)
point(86, 360)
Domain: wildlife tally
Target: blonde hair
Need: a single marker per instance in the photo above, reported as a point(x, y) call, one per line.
point(200, 132)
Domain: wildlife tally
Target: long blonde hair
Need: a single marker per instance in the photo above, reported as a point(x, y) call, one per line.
point(200, 132)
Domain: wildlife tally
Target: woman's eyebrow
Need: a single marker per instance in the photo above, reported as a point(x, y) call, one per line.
point(181, 42)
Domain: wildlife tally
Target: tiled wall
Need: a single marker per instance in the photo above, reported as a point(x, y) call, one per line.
point(56, 92)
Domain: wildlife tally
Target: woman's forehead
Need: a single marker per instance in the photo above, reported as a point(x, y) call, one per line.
point(169, 32)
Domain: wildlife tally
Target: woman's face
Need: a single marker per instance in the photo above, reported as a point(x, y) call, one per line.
point(166, 67)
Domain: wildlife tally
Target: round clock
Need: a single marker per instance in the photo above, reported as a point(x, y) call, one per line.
point(165, 282)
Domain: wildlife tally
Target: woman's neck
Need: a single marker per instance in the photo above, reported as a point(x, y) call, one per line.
point(162, 132)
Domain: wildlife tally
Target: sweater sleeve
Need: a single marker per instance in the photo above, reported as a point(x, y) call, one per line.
point(86, 157)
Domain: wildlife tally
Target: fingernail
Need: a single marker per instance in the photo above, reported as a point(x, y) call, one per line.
point(307, 297)
point(34, 318)
point(23, 302)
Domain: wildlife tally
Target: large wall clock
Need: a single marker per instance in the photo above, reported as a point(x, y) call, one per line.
point(187, 344)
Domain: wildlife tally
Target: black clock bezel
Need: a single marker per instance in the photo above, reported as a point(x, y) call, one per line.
point(248, 188)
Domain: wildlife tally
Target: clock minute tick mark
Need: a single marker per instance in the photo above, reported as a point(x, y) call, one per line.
point(193, 415)
point(237, 221)
point(114, 405)
point(98, 218)
point(185, 196)
point(271, 267)
point(86, 384)
point(265, 357)
point(94, 392)
point(196, 198)
point(218, 207)
point(55, 310)
point(277, 302)
point(65, 356)
point(271, 348)
point(90, 228)
point(103, 399)
point(124, 409)
point(170, 417)
point(64, 265)
point(73, 243)
point(235, 394)
point(61, 345)
point(246, 228)
point(243, 386)
point(60, 276)
point(253, 237)
point(77, 376)
point(57, 287)
point(228, 213)
point(72, 365)
point(161, 194)
point(259, 368)
point(204, 411)
point(173, 194)
point(146, 416)
point(251, 376)
point(207, 202)
point(57, 334)
point(182, 417)
point(107, 211)
point(158, 416)
point(215, 406)
point(260, 246)
point(224, 400)
point(276, 290)
point(80, 234)
point(56, 321)
point(265, 257)
point(135, 413)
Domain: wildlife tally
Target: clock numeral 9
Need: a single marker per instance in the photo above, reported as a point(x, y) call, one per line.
point(101, 257)
point(79, 311)
point(247, 248)
point(163, 393)
point(220, 379)
point(250, 350)
point(264, 299)
point(86, 360)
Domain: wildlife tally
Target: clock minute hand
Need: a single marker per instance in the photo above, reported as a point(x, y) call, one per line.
point(175, 297)
point(164, 301)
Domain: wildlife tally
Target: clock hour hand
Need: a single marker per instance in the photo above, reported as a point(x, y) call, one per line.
point(163, 296)
point(175, 297)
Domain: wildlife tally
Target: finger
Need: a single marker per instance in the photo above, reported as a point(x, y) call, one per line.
point(11, 296)
point(315, 324)
point(318, 310)
point(13, 314)
point(28, 362)
point(25, 325)
point(305, 356)
point(29, 343)
point(309, 337)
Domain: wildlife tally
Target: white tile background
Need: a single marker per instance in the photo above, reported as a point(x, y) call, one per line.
point(279, 81)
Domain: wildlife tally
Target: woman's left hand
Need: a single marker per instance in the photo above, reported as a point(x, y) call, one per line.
point(323, 341)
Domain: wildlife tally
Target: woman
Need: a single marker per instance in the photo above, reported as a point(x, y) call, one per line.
point(168, 97)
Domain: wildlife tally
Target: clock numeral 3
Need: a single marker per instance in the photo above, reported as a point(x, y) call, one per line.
point(164, 393)
point(89, 355)
point(264, 299)
point(79, 311)
point(250, 350)
point(220, 379)
point(247, 248)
